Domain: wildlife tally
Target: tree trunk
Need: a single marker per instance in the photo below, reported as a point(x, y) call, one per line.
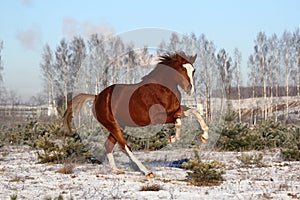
point(264, 112)
point(287, 84)
point(65, 101)
point(297, 74)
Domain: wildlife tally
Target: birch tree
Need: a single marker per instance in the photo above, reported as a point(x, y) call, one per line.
point(2, 89)
point(204, 74)
point(76, 61)
point(296, 49)
point(174, 44)
point(286, 43)
point(62, 67)
point(253, 77)
point(274, 65)
point(97, 60)
point(226, 69)
point(237, 63)
point(260, 51)
point(115, 50)
point(1, 66)
point(48, 72)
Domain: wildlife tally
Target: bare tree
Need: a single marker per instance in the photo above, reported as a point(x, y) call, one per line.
point(204, 74)
point(2, 89)
point(237, 63)
point(162, 47)
point(226, 69)
point(48, 72)
point(274, 69)
point(252, 65)
point(62, 66)
point(1, 67)
point(174, 44)
point(296, 48)
point(260, 52)
point(77, 60)
point(286, 43)
point(97, 61)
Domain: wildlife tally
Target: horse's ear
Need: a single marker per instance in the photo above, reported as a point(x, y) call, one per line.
point(193, 58)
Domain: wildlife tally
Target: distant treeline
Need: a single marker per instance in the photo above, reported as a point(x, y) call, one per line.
point(247, 92)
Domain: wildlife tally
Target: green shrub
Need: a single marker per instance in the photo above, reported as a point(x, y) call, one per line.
point(251, 159)
point(13, 197)
point(290, 154)
point(267, 135)
point(234, 137)
point(53, 144)
point(153, 142)
point(204, 173)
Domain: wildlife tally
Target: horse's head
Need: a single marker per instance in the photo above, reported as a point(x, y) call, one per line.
point(184, 70)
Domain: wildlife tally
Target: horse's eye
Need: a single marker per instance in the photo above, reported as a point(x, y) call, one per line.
point(183, 68)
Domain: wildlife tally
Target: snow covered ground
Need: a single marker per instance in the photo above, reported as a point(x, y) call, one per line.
point(21, 175)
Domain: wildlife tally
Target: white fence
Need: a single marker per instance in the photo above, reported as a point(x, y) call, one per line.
point(27, 111)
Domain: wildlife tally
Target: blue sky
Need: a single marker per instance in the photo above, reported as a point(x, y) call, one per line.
point(27, 25)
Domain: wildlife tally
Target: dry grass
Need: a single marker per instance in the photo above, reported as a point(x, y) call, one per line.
point(251, 159)
point(154, 187)
point(66, 169)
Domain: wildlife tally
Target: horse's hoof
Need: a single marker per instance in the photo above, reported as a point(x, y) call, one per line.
point(171, 140)
point(117, 171)
point(150, 175)
point(203, 140)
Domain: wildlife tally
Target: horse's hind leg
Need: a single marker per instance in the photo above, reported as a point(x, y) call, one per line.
point(113, 138)
point(140, 165)
point(127, 150)
point(109, 146)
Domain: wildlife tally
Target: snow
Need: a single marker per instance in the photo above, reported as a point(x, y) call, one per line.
point(21, 175)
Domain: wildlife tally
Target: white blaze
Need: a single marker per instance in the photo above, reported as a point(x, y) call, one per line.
point(190, 70)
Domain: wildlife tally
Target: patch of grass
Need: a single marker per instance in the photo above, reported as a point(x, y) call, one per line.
point(153, 187)
point(59, 197)
point(251, 159)
point(4, 153)
point(17, 179)
point(66, 169)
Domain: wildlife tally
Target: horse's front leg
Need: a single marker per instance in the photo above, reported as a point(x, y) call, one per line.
point(177, 135)
point(191, 111)
point(178, 129)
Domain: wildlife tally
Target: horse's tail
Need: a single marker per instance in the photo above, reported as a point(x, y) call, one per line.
point(75, 105)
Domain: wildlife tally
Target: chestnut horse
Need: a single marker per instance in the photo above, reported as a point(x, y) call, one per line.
point(155, 100)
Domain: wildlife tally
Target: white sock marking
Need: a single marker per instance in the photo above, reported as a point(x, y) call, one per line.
point(178, 129)
point(200, 120)
point(111, 161)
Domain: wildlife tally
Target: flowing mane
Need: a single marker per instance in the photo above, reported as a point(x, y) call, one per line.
point(167, 59)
